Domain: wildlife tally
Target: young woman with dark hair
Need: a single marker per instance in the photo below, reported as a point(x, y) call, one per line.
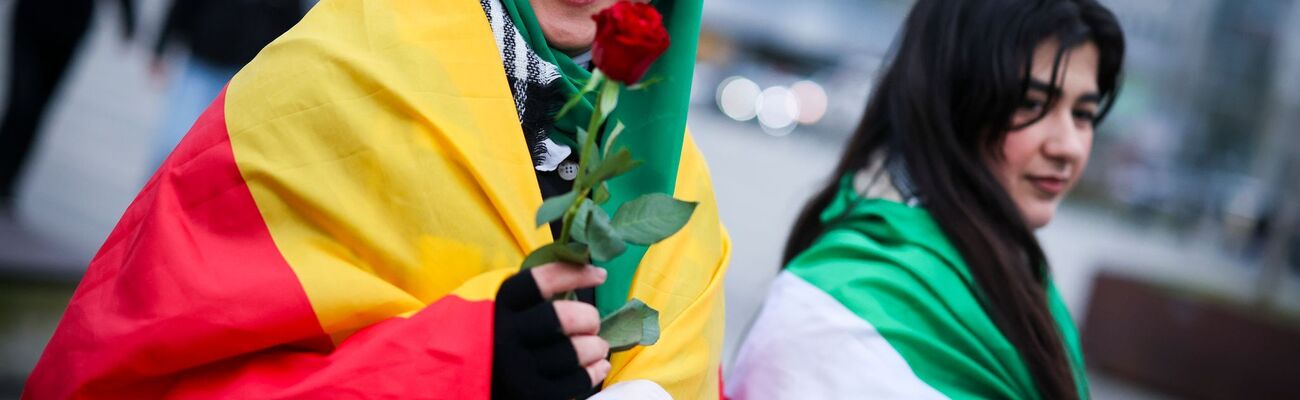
point(915, 272)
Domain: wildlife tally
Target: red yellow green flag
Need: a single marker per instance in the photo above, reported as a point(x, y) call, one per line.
point(337, 223)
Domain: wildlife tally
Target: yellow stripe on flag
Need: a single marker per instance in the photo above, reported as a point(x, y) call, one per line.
point(381, 144)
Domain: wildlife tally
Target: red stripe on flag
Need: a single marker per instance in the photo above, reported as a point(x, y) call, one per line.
point(190, 296)
point(189, 276)
point(440, 353)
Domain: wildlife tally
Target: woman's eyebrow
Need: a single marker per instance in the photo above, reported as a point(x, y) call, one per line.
point(1036, 84)
point(1039, 85)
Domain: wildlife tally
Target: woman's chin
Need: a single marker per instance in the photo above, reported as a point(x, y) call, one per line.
point(570, 40)
point(1039, 214)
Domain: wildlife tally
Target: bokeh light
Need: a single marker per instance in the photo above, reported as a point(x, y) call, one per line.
point(812, 102)
point(777, 110)
point(738, 98)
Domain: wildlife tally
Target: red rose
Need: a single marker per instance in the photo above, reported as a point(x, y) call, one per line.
point(629, 37)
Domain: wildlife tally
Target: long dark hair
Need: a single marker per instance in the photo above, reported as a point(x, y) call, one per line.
point(945, 100)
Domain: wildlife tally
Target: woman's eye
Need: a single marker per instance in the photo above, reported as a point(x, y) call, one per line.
point(1031, 105)
point(1085, 115)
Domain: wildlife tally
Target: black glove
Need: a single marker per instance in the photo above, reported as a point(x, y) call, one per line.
point(532, 358)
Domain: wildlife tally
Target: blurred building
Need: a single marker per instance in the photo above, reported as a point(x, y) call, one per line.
point(1204, 126)
point(809, 77)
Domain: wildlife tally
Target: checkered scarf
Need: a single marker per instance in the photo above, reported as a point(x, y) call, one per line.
point(533, 84)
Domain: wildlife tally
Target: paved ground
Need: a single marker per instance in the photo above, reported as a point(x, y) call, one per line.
point(91, 161)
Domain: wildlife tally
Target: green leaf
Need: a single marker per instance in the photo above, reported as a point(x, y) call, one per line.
point(543, 255)
point(596, 77)
point(601, 193)
point(618, 164)
point(608, 98)
point(582, 136)
point(554, 207)
point(652, 217)
point(572, 252)
point(613, 134)
point(601, 237)
point(579, 228)
point(632, 324)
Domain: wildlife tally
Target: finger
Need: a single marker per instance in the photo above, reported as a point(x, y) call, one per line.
point(589, 348)
point(556, 278)
point(577, 383)
point(577, 318)
point(598, 372)
point(558, 359)
point(519, 292)
point(539, 326)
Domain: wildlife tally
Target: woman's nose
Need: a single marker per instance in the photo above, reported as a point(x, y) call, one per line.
point(1068, 140)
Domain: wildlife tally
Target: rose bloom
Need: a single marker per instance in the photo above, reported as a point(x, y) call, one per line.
point(629, 37)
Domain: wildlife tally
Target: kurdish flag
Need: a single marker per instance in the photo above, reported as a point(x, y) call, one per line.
point(336, 224)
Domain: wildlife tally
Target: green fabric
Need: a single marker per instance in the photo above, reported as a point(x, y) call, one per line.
point(891, 265)
point(654, 119)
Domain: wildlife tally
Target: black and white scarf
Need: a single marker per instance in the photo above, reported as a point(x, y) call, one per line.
point(534, 84)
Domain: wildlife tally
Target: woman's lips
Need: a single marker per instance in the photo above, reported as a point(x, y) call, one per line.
point(1049, 185)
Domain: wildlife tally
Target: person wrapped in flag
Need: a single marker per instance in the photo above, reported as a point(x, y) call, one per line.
point(348, 219)
point(915, 274)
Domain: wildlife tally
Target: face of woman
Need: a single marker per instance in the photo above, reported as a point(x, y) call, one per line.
point(567, 24)
point(1041, 162)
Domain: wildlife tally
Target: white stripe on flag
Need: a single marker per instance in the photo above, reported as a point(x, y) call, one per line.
point(806, 345)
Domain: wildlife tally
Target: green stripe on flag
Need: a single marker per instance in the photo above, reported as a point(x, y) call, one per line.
point(892, 265)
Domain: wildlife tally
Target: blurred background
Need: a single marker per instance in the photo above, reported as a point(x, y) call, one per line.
point(1176, 254)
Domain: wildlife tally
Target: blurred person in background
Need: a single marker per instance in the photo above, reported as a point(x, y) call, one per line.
point(915, 272)
point(45, 34)
point(349, 216)
point(221, 36)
